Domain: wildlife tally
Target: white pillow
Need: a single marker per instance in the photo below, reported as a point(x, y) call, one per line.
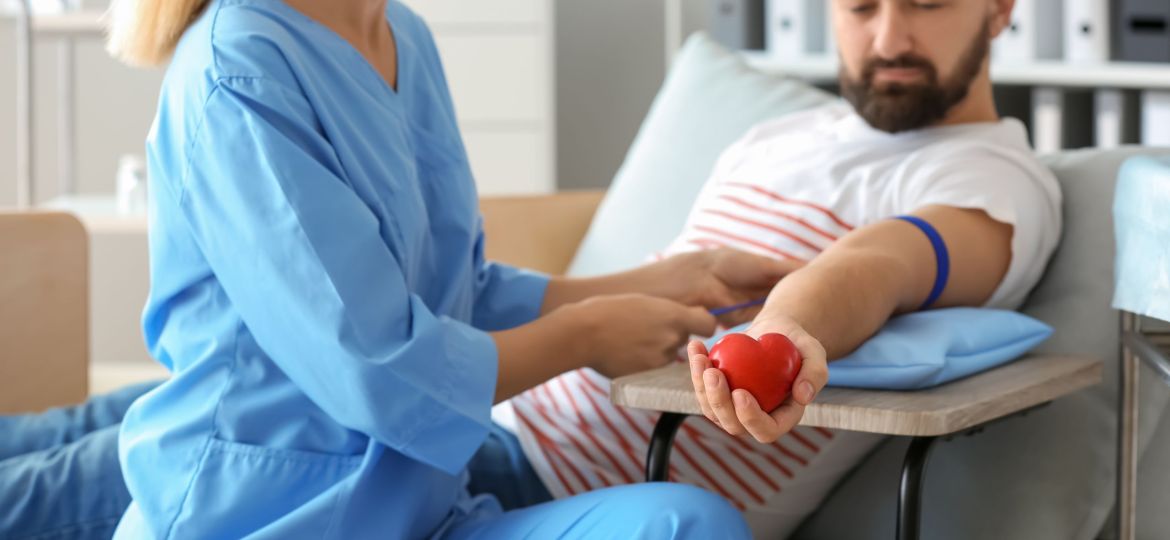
point(709, 100)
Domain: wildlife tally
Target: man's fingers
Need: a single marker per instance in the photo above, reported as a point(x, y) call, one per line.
point(787, 415)
point(758, 423)
point(719, 396)
point(814, 371)
point(697, 353)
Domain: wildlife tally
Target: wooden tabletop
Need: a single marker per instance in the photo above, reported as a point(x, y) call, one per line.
point(941, 410)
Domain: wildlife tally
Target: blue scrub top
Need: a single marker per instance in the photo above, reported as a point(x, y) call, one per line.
point(318, 290)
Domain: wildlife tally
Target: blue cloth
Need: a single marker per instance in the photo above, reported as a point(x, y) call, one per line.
point(1142, 227)
point(928, 348)
point(942, 258)
point(636, 511)
point(318, 290)
point(59, 473)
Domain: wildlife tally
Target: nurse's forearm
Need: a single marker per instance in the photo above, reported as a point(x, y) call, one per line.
point(538, 351)
point(562, 291)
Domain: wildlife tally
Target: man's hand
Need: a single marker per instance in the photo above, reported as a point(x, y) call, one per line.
point(717, 278)
point(738, 412)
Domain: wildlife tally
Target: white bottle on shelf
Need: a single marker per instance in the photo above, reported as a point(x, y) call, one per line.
point(131, 185)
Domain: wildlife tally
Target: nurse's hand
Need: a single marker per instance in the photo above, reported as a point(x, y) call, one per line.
point(737, 412)
point(716, 278)
point(631, 333)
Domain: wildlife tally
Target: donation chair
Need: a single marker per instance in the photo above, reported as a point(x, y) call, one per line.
point(1048, 474)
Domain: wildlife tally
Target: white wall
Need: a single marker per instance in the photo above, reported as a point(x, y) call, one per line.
point(610, 63)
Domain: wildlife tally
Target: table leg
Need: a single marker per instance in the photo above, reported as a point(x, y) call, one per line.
point(658, 458)
point(1127, 432)
point(910, 490)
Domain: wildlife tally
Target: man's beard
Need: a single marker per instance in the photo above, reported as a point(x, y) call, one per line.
point(897, 107)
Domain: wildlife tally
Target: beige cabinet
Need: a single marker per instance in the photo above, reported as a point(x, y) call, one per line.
point(499, 60)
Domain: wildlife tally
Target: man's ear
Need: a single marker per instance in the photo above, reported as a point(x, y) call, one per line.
point(999, 12)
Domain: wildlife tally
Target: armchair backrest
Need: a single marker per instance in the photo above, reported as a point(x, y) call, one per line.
point(1075, 294)
point(44, 311)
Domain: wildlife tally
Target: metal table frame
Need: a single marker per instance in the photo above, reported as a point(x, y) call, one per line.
point(1137, 348)
point(913, 474)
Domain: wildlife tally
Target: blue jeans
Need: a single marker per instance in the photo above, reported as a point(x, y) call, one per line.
point(59, 471)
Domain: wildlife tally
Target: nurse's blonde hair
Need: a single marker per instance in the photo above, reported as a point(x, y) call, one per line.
point(145, 32)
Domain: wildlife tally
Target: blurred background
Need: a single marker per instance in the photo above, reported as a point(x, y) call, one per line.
point(555, 109)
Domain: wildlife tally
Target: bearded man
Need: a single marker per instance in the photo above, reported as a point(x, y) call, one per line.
point(911, 193)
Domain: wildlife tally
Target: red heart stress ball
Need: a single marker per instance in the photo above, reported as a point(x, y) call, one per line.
point(766, 368)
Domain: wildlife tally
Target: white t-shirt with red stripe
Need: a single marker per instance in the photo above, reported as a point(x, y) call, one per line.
point(790, 188)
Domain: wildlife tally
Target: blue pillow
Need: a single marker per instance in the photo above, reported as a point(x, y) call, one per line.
point(928, 348)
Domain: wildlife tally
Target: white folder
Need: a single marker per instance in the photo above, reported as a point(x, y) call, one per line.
point(1156, 118)
point(1031, 35)
point(796, 28)
point(1086, 30)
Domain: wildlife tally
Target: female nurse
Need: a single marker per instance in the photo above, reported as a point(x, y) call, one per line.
point(319, 291)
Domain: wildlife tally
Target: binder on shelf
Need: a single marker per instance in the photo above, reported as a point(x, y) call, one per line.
point(738, 24)
point(796, 28)
point(1108, 118)
point(1030, 36)
point(1047, 120)
point(1143, 28)
point(1086, 30)
point(1156, 118)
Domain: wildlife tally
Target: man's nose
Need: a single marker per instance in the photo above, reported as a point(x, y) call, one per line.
point(892, 32)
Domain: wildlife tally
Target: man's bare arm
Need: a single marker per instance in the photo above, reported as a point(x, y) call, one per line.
point(832, 305)
point(848, 292)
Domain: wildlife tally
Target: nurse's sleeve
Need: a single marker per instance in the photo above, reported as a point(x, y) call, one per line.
point(505, 296)
point(301, 258)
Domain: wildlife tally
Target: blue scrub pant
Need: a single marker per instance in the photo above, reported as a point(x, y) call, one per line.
point(60, 478)
point(650, 511)
point(658, 510)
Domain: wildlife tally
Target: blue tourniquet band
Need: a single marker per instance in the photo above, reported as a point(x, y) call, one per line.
point(941, 256)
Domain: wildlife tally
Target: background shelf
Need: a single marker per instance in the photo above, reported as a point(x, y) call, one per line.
point(72, 23)
point(1135, 75)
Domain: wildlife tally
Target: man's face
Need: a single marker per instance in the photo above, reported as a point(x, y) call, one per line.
point(906, 63)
